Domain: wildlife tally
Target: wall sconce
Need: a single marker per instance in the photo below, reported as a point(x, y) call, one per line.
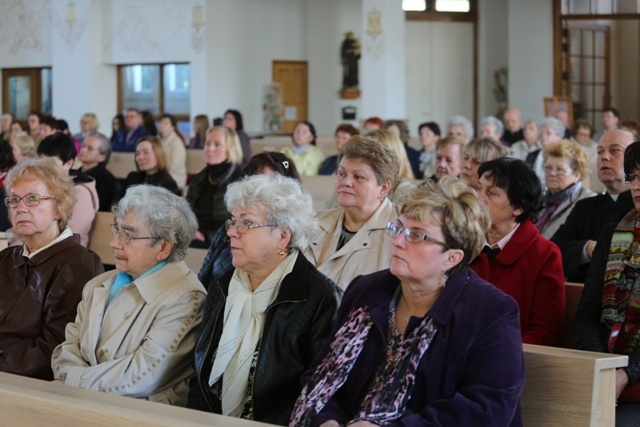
point(197, 16)
point(70, 17)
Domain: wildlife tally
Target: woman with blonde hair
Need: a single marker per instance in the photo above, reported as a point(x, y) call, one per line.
point(152, 166)
point(566, 170)
point(23, 146)
point(223, 155)
point(405, 173)
point(421, 343)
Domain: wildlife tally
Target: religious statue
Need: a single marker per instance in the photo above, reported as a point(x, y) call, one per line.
point(350, 54)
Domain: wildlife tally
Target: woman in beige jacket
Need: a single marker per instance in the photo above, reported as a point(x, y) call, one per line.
point(175, 150)
point(352, 241)
point(135, 330)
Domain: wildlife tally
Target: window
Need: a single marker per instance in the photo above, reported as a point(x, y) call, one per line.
point(157, 88)
point(26, 89)
point(440, 10)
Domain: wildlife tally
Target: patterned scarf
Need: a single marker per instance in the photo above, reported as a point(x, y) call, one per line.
point(621, 289)
point(551, 204)
point(378, 407)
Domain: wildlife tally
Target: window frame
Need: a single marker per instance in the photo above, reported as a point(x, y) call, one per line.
point(161, 94)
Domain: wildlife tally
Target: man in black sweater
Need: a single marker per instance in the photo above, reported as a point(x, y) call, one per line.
point(577, 237)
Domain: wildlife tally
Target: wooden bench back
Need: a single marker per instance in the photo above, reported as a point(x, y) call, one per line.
point(29, 402)
point(100, 237)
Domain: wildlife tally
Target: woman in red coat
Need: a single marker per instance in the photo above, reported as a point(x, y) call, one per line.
point(516, 258)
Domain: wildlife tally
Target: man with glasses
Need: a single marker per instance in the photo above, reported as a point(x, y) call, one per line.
point(577, 237)
point(126, 138)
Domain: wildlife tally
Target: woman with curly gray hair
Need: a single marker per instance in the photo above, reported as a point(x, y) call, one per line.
point(269, 315)
point(136, 326)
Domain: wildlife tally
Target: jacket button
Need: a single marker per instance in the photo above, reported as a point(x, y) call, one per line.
point(127, 315)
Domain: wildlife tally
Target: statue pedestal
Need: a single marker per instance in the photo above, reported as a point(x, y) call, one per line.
point(350, 93)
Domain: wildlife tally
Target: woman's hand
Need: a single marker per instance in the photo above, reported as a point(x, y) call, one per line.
point(330, 423)
point(198, 236)
point(622, 380)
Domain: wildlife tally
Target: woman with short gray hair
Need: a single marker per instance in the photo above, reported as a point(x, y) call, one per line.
point(267, 318)
point(136, 326)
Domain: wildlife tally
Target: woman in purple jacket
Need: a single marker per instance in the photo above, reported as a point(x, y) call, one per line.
point(427, 342)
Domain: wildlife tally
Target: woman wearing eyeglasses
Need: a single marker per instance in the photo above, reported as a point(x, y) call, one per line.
point(421, 343)
point(41, 280)
point(268, 316)
point(566, 171)
point(607, 319)
point(516, 258)
point(137, 325)
point(351, 238)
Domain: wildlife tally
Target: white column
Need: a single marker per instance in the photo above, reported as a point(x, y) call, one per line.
point(382, 65)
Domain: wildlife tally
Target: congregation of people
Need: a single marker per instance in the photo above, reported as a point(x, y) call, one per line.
point(405, 301)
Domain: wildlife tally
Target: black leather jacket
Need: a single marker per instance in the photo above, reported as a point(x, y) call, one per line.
point(296, 324)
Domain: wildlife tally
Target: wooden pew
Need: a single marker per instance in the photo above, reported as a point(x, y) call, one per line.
point(195, 258)
point(569, 388)
point(120, 164)
point(326, 144)
point(573, 294)
point(100, 237)
point(195, 161)
point(320, 187)
point(29, 402)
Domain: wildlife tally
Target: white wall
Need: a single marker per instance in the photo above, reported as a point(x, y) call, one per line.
point(492, 51)
point(530, 55)
point(327, 23)
point(439, 75)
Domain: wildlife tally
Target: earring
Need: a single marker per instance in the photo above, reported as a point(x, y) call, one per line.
point(282, 253)
point(443, 279)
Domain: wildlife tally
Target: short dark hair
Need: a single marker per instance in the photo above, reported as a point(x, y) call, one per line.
point(347, 128)
point(58, 145)
point(238, 116)
point(6, 156)
point(49, 121)
point(611, 110)
point(519, 181)
point(435, 128)
point(632, 157)
point(62, 125)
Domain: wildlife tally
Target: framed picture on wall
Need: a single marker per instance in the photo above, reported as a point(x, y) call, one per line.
point(558, 106)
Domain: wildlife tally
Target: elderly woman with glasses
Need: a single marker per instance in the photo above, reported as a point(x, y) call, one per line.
point(516, 258)
point(566, 171)
point(271, 313)
point(421, 343)
point(608, 315)
point(136, 325)
point(41, 280)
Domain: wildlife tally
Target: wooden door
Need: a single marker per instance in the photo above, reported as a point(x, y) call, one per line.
point(21, 91)
point(292, 76)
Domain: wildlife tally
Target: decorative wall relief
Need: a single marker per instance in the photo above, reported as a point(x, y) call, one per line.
point(69, 26)
point(374, 40)
point(22, 23)
point(197, 28)
point(138, 32)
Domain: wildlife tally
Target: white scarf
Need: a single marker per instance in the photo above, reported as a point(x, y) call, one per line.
point(244, 316)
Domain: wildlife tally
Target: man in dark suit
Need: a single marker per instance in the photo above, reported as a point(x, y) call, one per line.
point(126, 139)
point(577, 237)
